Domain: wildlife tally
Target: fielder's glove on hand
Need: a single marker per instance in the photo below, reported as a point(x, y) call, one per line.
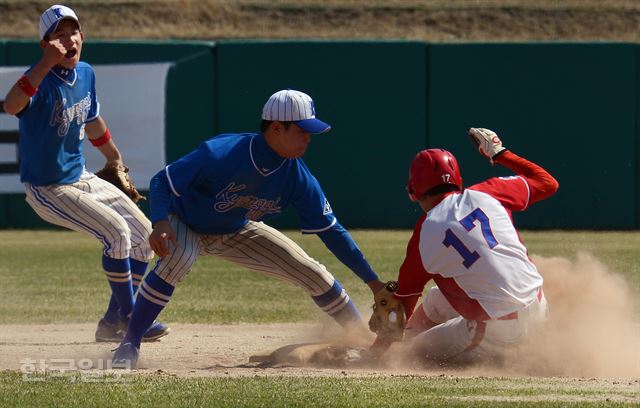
point(487, 142)
point(388, 318)
point(118, 175)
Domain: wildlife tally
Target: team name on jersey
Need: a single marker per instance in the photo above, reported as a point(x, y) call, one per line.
point(256, 207)
point(65, 116)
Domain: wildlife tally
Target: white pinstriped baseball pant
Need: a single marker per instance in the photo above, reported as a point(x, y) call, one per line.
point(258, 247)
point(96, 207)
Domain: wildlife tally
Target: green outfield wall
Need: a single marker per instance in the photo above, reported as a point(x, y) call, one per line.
point(571, 107)
point(374, 96)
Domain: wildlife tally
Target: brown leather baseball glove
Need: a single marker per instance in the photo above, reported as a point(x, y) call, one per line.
point(118, 175)
point(388, 318)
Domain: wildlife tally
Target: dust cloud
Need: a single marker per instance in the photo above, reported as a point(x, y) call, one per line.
point(592, 329)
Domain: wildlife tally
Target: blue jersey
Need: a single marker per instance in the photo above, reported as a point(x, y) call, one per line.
point(52, 126)
point(233, 178)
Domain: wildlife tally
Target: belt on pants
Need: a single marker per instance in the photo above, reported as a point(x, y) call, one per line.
point(514, 315)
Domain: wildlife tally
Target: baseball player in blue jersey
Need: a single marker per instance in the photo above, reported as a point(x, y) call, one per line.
point(213, 201)
point(57, 105)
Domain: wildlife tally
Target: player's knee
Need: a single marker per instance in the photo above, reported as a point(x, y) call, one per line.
point(323, 281)
point(118, 241)
point(418, 323)
point(123, 235)
point(140, 246)
point(145, 226)
point(141, 249)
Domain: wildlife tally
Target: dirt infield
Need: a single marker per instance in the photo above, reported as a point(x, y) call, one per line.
point(592, 333)
point(200, 350)
point(223, 351)
point(189, 350)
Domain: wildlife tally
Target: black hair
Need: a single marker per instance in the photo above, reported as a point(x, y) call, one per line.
point(264, 125)
point(442, 188)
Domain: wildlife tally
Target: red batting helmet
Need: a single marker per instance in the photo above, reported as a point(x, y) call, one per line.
point(431, 168)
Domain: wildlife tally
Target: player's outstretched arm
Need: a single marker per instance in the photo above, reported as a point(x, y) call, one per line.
point(541, 184)
point(338, 240)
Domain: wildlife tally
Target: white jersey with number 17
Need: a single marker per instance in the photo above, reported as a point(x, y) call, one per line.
point(468, 241)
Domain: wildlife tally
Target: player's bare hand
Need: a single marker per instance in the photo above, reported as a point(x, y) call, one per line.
point(53, 52)
point(118, 163)
point(375, 285)
point(160, 237)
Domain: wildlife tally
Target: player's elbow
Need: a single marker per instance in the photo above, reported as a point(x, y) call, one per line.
point(552, 185)
point(12, 107)
point(543, 186)
point(546, 187)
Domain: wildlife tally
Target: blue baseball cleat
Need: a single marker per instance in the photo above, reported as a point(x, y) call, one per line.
point(125, 357)
point(156, 331)
point(114, 333)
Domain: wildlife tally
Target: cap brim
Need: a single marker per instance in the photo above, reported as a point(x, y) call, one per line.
point(314, 126)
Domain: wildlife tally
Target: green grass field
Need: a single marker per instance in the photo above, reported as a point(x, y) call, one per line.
point(55, 277)
point(377, 391)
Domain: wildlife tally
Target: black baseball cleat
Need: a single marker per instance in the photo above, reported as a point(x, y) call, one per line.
point(108, 332)
point(114, 333)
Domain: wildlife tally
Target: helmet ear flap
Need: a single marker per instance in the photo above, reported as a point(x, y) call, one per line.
point(411, 193)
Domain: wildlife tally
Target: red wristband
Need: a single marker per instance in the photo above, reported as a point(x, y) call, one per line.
point(24, 84)
point(102, 139)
